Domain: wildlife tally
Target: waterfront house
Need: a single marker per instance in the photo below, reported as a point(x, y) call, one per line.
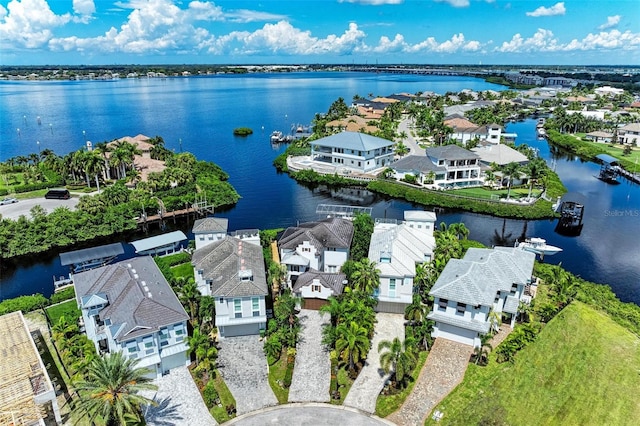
point(232, 271)
point(208, 230)
point(599, 136)
point(316, 287)
point(468, 289)
point(129, 307)
point(465, 131)
point(461, 166)
point(351, 123)
point(499, 154)
point(629, 134)
point(420, 166)
point(396, 248)
point(319, 246)
point(359, 152)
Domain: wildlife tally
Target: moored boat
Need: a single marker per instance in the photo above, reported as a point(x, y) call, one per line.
point(538, 246)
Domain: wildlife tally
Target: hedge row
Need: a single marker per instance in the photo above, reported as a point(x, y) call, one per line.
point(34, 301)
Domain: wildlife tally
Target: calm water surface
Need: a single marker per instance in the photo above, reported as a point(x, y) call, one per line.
point(203, 111)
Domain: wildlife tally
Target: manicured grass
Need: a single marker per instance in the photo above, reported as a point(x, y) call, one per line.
point(68, 309)
point(220, 413)
point(581, 370)
point(387, 404)
point(276, 377)
point(32, 194)
point(183, 270)
point(485, 193)
point(344, 384)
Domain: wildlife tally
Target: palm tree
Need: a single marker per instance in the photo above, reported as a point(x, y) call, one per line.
point(202, 345)
point(399, 357)
point(511, 170)
point(459, 230)
point(189, 296)
point(481, 353)
point(352, 344)
point(417, 311)
point(111, 388)
point(366, 277)
point(93, 165)
point(536, 169)
point(495, 321)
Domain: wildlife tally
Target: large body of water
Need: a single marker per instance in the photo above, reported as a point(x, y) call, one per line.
point(199, 114)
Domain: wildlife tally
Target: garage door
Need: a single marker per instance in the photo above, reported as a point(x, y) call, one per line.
point(314, 304)
point(456, 334)
point(173, 361)
point(240, 330)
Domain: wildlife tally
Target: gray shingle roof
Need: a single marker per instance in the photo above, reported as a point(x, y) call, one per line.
point(476, 278)
point(334, 282)
point(211, 224)
point(222, 263)
point(413, 163)
point(331, 232)
point(353, 140)
point(450, 152)
point(406, 245)
point(500, 154)
point(140, 302)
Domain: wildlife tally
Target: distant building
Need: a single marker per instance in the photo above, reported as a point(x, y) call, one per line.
point(599, 136)
point(629, 134)
point(129, 307)
point(356, 151)
point(608, 91)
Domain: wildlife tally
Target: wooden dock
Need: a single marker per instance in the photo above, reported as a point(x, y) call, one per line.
point(159, 218)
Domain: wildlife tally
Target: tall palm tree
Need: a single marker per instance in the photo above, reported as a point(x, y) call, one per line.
point(399, 357)
point(417, 311)
point(93, 165)
point(511, 170)
point(189, 296)
point(111, 388)
point(352, 344)
point(366, 277)
point(536, 169)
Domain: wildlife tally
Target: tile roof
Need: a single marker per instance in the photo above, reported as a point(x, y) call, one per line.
point(418, 163)
point(353, 140)
point(211, 224)
point(481, 273)
point(331, 232)
point(140, 299)
point(334, 282)
point(450, 152)
point(223, 263)
point(406, 245)
point(500, 154)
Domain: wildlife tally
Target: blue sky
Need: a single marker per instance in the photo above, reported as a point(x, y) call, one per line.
point(94, 32)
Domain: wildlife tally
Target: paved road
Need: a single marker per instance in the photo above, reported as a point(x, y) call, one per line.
point(312, 371)
point(308, 414)
point(410, 142)
point(365, 390)
point(22, 207)
point(243, 366)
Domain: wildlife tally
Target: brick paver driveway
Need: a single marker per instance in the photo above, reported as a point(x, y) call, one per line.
point(312, 371)
point(243, 366)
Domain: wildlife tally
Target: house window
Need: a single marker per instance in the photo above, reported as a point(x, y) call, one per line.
point(164, 343)
point(237, 308)
point(148, 343)
point(306, 249)
point(442, 304)
point(460, 308)
point(255, 306)
point(315, 287)
point(221, 300)
point(392, 287)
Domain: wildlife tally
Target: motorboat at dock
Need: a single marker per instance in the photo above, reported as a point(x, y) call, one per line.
point(538, 246)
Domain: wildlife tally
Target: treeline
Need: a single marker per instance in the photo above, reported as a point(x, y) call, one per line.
point(35, 301)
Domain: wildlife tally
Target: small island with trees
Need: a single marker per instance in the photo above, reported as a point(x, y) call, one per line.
point(242, 131)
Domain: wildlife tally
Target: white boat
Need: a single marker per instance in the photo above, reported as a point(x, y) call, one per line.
point(538, 246)
point(276, 136)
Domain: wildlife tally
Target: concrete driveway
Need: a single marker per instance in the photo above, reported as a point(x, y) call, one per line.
point(179, 402)
point(410, 142)
point(22, 207)
point(243, 366)
point(365, 390)
point(312, 371)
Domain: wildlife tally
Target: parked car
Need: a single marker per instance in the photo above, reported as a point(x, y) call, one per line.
point(8, 201)
point(58, 194)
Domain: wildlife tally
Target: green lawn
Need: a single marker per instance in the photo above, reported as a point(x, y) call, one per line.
point(68, 309)
point(276, 377)
point(582, 370)
point(484, 193)
point(616, 151)
point(183, 270)
point(387, 404)
point(220, 413)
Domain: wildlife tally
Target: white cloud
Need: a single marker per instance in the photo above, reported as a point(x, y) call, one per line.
point(244, 16)
point(613, 39)
point(455, 3)
point(386, 45)
point(84, 7)
point(455, 44)
point(612, 21)
point(542, 41)
point(556, 9)
point(29, 23)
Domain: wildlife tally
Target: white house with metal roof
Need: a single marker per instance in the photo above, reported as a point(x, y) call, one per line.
point(208, 230)
point(320, 246)
point(159, 245)
point(357, 151)
point(129, 307)
point(232, 271)
point(396, 248)
point(468, 289)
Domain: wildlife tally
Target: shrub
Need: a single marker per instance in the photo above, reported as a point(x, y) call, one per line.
point(288, 375)
point(210, 394)
point(23, 303)
point(66, 294)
